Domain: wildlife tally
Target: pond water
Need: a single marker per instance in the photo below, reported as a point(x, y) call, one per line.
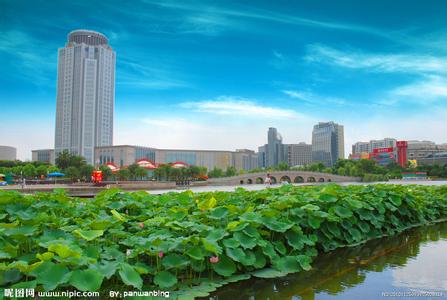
point(412, 265)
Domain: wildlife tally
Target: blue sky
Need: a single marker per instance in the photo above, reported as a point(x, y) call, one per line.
point(217, 74)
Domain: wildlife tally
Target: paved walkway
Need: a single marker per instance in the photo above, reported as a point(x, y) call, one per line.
point(257, 187)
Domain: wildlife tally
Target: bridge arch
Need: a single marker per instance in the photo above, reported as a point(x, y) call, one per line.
point(295, 177)
point(273, 179)
point(298, 179)
point(311, 179)
point(285, 178)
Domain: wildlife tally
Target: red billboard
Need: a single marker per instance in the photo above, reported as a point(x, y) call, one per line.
point(383, 150)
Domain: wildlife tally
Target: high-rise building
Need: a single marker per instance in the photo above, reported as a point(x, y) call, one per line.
point(299, 154)
point(262, 156)
point(328, 143)
point(85, 94)
point(274, 152)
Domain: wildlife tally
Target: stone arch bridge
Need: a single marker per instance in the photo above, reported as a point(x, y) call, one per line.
point(281, 176)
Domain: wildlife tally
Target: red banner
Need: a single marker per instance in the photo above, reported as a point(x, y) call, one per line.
point(383, 150)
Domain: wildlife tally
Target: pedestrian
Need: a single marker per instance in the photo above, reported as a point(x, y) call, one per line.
point(268, 180)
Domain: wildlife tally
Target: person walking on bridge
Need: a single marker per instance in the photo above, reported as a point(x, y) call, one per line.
point(268, 180)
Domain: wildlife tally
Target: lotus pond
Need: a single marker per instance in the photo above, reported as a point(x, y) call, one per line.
point(408, 263)
point(191, 244)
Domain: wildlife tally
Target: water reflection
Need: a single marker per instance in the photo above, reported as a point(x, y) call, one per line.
point(414, 260)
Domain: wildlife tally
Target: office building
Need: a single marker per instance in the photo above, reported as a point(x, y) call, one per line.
point(421, 149)
point(299, 154)
point(361, 147)
point(438, 158)
point(8, 153)
point(274, 152)
point(124, 155)
point(85, 94)
point(262, 156)
point(327, 143)
point(385, 143)
point(245, 159)
point(43, 155)
point(368, 147)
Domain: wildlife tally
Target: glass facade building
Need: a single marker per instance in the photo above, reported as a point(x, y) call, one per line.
point(327, 143)
point(274, 152)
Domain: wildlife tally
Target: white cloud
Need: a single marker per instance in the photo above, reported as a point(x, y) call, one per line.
point(406, 63)
point(428, 89)
point(233, 15)
point(314, 98)
point(231, 106)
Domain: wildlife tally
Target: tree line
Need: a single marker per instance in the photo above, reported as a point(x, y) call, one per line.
point(76, 168)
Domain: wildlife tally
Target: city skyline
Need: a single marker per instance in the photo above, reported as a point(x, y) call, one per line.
point(216, 76)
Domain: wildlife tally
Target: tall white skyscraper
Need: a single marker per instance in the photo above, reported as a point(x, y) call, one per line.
point(85, 94)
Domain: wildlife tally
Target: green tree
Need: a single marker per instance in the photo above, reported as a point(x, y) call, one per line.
point(366, 165)
point(140, 173)
point(215, 173)
point(72, 173)
point(163, 172)
point(283, 166)
point(255, 170)
point(86, 172)
point(133, 170)
point(42, 170)
point(10, 163)
point(17, 170)
point(316, 167)
point(106, 173)
point(175, 174)
point(29, 171)
point(65, 159)
point(327, 170)
point(341, 171)
point(193, 172)
point(52, 169)
point(123, 174)
point(230, 171)
point(202, 171)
